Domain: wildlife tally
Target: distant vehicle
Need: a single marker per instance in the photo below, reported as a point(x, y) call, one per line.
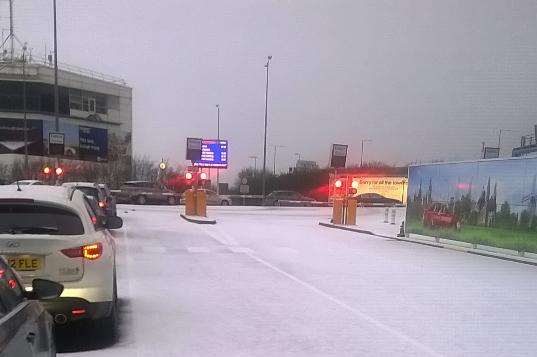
point(439, 215)
point(213, 199)
point(98, 193)
point(374, 199)
point(110, 200)
point(144, 192)
point(275, 198)
point(54, 233)
point(28, 182)
point(25, 326)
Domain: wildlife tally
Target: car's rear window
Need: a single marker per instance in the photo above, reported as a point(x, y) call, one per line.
point(16, 218)
point(89, 191)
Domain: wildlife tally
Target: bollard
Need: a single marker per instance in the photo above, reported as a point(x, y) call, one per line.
point(337, 211)
point(393, 216)
point(190, 203)
point(402, 230)
point(201, 203)
point(350, 215)
point(386, 213)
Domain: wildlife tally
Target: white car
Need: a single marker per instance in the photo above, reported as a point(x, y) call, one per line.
point(53, 233)
point(213, 199)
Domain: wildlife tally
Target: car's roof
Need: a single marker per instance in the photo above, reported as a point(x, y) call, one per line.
point(79, 184)
point(24, 181)
point(53, 194)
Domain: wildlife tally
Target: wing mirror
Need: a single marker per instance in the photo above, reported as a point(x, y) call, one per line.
point(45, 289)
point(113, 222)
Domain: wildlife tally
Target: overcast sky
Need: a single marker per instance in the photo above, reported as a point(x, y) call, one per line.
point(422, 79)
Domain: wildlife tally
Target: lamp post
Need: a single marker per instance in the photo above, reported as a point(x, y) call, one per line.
point(56, 90)
point(264, 178)
point(24, 109)
point(276, 147)
point(218, 138)
point(362, 153)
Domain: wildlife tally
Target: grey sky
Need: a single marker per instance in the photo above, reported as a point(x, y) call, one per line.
point(422, 79)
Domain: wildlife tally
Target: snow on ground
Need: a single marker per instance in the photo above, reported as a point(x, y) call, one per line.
point(270, 281)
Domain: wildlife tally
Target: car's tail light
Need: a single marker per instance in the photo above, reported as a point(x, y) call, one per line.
point(90, 251)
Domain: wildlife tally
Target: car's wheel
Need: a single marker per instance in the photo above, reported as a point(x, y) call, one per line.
point(224, 203)
point(108, 326)
point(172, 201)
point(141, 200)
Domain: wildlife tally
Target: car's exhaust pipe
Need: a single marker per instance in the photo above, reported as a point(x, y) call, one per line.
point(60, 319)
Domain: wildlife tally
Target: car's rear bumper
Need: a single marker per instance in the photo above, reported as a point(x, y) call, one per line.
point(74, 309)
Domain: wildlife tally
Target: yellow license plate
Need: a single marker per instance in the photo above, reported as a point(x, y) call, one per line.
point(25, 262)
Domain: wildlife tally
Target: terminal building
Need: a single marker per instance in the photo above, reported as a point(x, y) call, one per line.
point(95, 115)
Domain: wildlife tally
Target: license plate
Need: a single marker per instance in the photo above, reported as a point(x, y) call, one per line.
point(25, 262)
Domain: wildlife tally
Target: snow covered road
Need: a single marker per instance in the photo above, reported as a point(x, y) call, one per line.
point(271, 282)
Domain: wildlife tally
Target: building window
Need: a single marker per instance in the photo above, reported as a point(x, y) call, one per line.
point(88, 104)
point(75, 99)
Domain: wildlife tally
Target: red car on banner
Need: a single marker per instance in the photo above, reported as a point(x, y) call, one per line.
point(439, 215)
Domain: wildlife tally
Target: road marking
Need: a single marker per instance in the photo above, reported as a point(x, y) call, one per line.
point(240, 250)
point(360, 314)
point(219, 236)
point(198, 249)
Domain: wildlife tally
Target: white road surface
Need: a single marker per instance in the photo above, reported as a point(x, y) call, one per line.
point(272, 282)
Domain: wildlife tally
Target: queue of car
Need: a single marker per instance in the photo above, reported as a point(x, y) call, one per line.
point(55, 246)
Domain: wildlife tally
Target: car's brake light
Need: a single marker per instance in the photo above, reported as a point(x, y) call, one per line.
point(90, 251)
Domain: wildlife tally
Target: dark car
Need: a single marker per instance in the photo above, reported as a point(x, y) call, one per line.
point(144, 192)
point(374, 199)
point(26, 328)
point(278, 198)
point(109, 200)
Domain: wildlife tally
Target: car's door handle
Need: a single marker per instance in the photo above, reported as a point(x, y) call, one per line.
point(30, 338)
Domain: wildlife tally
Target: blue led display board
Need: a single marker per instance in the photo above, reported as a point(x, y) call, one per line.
point(213, 154)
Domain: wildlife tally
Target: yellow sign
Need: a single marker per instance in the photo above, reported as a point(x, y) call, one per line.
point(389, 187)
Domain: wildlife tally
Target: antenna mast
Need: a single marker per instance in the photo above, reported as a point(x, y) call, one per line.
point(11, 34)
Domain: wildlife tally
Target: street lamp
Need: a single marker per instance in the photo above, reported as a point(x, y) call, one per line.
point(263, 184)
point(362, 154)
point(218, 138)
point(276, 147)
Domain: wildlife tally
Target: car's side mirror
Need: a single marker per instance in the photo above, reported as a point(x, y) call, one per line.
point(113, 222)
point(45, 289)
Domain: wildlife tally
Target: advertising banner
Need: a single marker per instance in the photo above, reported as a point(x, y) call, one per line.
point(371, 190)
point(489, 202)
point(79, 142)
point(93, 144)
point(12, 136)
point(389, 187)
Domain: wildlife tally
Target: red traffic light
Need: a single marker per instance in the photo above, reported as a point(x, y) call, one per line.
point(46, 170)
point(189, 176)
point(59, 171)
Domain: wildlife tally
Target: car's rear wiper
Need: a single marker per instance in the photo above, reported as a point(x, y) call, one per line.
point(31, 230)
